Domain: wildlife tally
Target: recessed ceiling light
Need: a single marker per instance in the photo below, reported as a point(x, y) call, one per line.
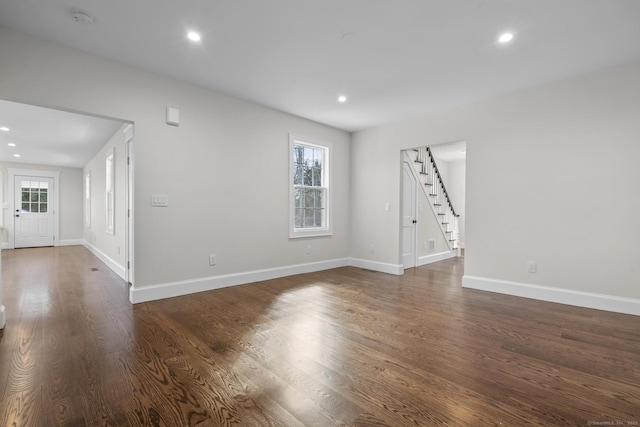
point(342, 98)
point(16, 155)
point(505, 38)
point(193, 36)
point(5, 129)
point(11, 144)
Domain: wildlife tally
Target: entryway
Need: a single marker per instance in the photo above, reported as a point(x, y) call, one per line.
point(432, 203)
point(33, 207)
point(33, 212)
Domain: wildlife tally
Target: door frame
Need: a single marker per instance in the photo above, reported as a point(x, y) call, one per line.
point(11, 177)
point(415, 212)
point(129, 224)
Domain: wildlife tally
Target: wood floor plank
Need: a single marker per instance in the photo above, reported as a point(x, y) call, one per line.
point(341, 347)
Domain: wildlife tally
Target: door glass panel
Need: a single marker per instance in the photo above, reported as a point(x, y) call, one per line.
point(34, 197)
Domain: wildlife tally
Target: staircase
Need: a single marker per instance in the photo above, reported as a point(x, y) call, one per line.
point(431, 182)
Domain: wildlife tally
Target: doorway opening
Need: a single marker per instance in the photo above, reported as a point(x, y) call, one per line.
point(433, 203)
point(54, 190)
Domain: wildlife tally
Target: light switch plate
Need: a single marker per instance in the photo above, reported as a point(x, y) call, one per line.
point(160, 200)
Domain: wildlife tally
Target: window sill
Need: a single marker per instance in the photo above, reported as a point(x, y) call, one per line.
point(310, 233)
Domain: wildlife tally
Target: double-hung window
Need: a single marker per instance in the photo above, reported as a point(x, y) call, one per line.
point(309, 207)
point(110, 178)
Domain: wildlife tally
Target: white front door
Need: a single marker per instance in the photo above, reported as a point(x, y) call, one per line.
point(33, 214)
point(408, 217)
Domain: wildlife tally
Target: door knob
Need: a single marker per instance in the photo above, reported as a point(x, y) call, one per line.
point(17, 215)
point(414, 221)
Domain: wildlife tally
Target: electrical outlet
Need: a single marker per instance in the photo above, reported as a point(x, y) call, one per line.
point(532, 267)
point(212, 259)
point(308, 249)
point(372, 249)
point(432, 245)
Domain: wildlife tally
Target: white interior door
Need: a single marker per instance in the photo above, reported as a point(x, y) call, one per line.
point(33, 215)
point(408, 217)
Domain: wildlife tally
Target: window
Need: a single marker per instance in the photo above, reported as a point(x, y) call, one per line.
point(110, 191)
point(309, 206)
point(35, 197)
point(87, 200)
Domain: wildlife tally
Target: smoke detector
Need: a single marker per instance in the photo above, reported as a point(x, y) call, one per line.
point(82, 17)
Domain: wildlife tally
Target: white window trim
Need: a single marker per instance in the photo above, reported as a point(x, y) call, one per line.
point(87, 200)
point(327, 230)
point(110, 190)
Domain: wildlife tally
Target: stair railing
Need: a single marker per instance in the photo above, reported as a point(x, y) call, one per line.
point(436, 189)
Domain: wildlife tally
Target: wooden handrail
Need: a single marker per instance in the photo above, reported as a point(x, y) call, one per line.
point(444, 189)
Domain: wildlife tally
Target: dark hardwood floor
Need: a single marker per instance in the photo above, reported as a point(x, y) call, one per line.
point(341, 347)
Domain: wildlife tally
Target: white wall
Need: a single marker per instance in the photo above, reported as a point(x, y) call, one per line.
point(109, 245)
point(557, 162)
point(70, 203)
point(225, 168)
point(552, 176)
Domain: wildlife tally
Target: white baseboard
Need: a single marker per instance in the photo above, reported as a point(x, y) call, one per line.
point(67, 242)
point(113, 265)
point(440, 256)
point(557, 295)
point(174, 289)
point(383, 267)
point(3, 317)
point(70, 242)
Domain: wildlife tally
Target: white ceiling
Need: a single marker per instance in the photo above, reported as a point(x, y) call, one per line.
point(404, 57)
point(51, 137)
